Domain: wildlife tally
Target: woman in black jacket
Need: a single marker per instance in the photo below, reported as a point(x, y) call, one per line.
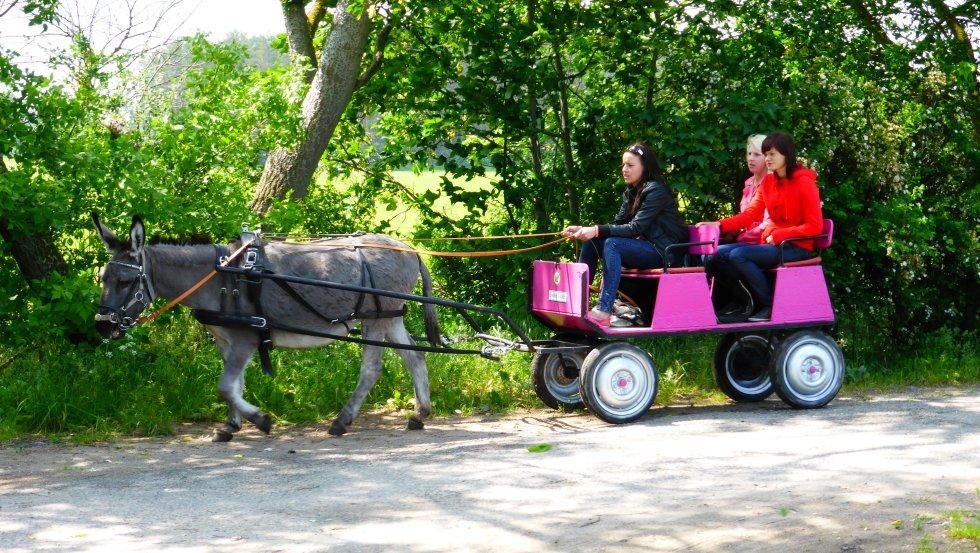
point(648, 221)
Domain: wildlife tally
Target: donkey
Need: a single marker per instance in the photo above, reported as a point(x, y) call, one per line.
point(138, 273)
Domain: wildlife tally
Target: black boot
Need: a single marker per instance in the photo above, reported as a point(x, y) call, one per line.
point(740, 308)
point(763, 314)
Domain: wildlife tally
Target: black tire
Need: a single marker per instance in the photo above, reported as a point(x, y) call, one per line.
point(555, 379)
point(741, 366)
point(807, 369)
point(619, 382)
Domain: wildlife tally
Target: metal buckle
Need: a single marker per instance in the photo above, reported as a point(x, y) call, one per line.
point(251, 257)
point(259, 322)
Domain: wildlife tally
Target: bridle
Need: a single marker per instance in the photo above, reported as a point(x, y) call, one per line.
point(117, 315)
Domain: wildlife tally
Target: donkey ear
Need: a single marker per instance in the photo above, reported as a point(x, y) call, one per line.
point(137, 235)
point(108, 237)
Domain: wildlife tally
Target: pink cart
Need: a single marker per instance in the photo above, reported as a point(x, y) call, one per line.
point(591, 366)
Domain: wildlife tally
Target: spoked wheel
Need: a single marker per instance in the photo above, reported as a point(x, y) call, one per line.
point(741, 366)
point(807, 369)
point(618, 382)
point(555, 378)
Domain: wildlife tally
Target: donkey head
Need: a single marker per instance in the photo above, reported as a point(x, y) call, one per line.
point(126, 286)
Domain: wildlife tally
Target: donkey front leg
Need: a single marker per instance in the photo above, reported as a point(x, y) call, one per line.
point(415, 363)
point(237, 348)
point(234, 422)
point(370, 371)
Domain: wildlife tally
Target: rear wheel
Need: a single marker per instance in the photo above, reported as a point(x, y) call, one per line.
point(807, 369)
point(618, 382)
point(741, 366)
point(555, 379)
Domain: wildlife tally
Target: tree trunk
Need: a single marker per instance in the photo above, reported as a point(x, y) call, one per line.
point(540, 210)
point(36, 255)
point(566, 137)
point(299, 35)
point(330, 92)
point(964, 47)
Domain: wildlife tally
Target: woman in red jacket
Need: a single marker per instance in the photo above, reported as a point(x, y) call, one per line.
point(789, 193)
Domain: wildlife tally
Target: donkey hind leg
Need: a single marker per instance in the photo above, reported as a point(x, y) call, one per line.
point(415, 363)
point(237, 348)
point(370, 371)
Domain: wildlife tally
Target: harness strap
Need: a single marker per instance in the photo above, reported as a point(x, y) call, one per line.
point(255, 261)
point(377, 314)
point(366, 274)
point(192, 289)
point(216, 318)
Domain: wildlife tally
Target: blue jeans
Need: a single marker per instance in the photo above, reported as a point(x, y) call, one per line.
point(748, 261)
point(617, 252)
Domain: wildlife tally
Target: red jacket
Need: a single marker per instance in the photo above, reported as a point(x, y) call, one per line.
point(793, 205)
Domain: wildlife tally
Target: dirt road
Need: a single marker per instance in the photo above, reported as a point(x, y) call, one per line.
point(864, 474)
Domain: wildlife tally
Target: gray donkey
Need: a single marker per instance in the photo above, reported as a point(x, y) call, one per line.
point(139, 273)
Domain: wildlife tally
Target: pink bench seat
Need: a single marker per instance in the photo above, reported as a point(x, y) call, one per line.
point(701, 241)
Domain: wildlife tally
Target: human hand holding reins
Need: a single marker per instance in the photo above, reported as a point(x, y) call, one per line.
point(576, 232)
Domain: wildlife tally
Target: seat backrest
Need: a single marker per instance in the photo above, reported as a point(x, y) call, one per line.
point(703, 233)
point(828, 229)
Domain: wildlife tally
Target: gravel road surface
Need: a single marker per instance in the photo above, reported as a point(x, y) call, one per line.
point(867, 473)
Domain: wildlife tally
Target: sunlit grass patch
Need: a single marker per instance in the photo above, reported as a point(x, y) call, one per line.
point(402, 218)
point(964, 525)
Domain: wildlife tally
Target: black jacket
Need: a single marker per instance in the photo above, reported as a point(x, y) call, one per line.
point(657, 219)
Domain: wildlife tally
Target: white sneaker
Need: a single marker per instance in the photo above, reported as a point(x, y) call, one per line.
point(599, 316)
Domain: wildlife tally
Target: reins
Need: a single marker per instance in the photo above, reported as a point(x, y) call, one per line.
point(488, 253)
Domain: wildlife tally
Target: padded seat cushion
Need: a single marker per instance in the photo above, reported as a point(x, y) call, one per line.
point(653, 272)
point(803, 263)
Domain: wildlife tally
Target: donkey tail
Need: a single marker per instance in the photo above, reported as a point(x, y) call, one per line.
point(432, 331)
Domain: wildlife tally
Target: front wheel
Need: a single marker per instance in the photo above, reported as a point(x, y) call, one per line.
point(618, 382)
point(741, 366)
point(807, 369)
point(555, 379)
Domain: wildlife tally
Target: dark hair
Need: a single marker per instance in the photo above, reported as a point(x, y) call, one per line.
point(651, 170)
point(782, 143)
point(651, 167)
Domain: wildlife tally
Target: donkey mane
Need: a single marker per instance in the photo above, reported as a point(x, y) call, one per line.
point(192, 240)
point(182, 255)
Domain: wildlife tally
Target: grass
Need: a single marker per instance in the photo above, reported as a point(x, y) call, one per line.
point(402, 218)
point(961, 527)
point(167, 373)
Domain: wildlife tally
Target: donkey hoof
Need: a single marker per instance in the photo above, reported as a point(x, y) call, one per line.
point(337, 429)
point(262, 422)
point(415, 424)
point(221, 435)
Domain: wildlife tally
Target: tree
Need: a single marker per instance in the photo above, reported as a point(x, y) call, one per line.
point(32, 246)
point(334, 75)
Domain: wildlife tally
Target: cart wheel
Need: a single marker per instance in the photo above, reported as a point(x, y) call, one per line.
point(618, 382)
point(807, 369)
point(742, 366)
point(555, 378)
